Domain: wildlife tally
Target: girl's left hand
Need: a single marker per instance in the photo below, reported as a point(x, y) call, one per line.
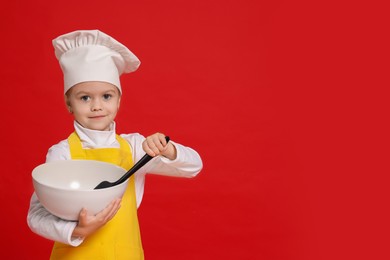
point(156, 144)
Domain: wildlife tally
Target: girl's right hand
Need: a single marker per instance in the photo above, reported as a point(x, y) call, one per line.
point(88, 224)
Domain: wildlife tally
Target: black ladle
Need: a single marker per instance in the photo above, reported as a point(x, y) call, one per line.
point(146, 158)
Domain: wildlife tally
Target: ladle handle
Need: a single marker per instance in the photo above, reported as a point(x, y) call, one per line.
point(144, 160)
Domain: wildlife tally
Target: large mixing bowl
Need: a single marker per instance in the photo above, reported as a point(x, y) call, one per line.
point(65, 187)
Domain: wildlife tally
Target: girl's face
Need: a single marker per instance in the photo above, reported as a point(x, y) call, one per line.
point(94, 104)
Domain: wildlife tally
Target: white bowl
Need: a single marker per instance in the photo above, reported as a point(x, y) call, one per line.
point(65, 187)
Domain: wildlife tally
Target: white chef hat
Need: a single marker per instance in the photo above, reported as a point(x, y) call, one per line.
point(91, 55)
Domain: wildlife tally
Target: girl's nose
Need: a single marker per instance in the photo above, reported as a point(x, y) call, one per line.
point(96, 105)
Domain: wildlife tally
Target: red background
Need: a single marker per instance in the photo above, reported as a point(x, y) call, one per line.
point(285, 101)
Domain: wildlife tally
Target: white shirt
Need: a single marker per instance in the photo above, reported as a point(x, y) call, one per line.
point(187, 164)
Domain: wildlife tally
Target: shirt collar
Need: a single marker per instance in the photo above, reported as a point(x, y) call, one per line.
point(95, 138)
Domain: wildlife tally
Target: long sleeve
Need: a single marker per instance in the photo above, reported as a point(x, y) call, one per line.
point(187, 163)
point(49, 226)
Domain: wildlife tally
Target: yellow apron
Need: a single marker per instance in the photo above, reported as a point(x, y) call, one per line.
point(120, 238)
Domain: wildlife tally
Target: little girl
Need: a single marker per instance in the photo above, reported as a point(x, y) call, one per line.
point(92, 62)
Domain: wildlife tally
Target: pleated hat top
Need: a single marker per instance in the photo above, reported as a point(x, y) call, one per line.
point(91, 55)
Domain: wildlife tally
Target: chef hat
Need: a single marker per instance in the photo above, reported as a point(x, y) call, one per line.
point(91, 55)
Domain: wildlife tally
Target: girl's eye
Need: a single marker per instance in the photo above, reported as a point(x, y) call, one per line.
point(107, 96)
point(85, 98)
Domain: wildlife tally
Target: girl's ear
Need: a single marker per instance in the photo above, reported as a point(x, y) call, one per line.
point(67, 102)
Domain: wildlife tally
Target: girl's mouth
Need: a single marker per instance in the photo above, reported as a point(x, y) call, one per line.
point(96, 117)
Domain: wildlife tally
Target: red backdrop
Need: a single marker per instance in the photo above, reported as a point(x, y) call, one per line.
point(284, 100)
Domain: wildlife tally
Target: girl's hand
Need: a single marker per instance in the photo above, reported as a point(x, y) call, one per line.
point(156, 144)
point(90, 224)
